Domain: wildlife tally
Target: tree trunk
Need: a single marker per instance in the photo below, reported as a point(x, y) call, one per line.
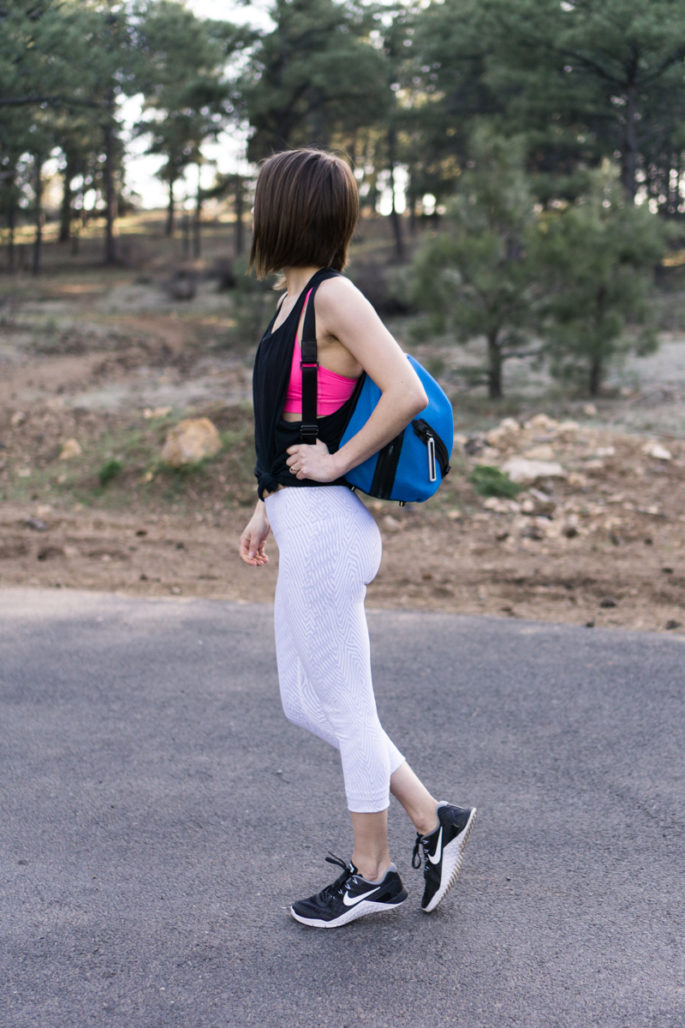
point(494, 367)
point(412, 200)
point(674, 177)
point(596, 353)
point(197, 219)
point(11, 224)
point(394, 216)
point(67, 203)
point(185, 222)
point(110, 194)
point(239, 216)
point(38, 239)
point(83, 214)
point(630, 145)
point(320, 131)
point(79, 205)
point(170, 226)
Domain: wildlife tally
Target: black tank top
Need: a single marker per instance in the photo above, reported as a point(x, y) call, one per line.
point(270, 377)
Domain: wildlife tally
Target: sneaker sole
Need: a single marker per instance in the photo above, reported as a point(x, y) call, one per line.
point(451, 863)
point(359, 910)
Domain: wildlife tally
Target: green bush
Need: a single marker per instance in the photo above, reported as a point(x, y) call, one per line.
point(490, 481)
point(109, 470)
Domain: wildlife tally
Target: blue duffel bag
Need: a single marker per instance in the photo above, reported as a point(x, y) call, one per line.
point(411, 466)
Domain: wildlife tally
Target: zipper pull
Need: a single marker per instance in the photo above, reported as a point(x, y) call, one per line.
point(432, 471)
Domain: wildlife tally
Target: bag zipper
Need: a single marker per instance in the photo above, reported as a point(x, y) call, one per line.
point(389, 457)
point(436, 448)
point(386, 466)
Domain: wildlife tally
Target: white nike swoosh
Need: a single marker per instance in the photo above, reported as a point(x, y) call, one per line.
point(435, 858)
point(350, 901)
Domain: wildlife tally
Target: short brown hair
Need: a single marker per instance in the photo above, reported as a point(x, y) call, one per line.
point(306, 209)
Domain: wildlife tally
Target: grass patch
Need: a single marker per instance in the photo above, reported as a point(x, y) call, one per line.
point(120, 469)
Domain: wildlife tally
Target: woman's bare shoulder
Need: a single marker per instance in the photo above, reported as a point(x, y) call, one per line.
point(340, 288)
point(340, 295)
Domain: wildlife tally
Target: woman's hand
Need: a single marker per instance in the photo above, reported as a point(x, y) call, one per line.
point(313, 462)
point(254, 537)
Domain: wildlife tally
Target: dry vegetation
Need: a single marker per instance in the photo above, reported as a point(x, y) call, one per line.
point(111, 360)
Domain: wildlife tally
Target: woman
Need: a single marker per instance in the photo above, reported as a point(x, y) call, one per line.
point(306, 209)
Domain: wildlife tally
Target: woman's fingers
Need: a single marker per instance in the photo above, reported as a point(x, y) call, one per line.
point(307, 461)
point(253, 552)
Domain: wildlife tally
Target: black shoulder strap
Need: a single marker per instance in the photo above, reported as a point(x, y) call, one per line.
point(309, 429)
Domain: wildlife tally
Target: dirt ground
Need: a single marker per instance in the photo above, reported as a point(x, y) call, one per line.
point(596, 537)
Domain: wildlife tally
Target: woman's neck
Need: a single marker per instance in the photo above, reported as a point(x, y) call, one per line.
point(296, 279)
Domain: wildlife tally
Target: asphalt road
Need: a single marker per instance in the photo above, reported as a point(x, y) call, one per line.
point(159, 815)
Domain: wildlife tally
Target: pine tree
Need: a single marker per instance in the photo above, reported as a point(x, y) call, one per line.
point(314, 78)
point(475, 277)
point(599, 256)
point(181, 70)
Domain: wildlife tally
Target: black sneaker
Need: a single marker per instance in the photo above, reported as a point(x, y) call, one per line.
point(349, 897)
point(442, 852)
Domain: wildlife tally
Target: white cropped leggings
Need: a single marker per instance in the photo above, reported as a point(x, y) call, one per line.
point(329, 550)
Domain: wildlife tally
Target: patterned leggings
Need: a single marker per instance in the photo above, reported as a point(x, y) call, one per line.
point(329, 550)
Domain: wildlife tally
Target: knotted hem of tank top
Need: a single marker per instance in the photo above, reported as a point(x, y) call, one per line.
point(266, 483)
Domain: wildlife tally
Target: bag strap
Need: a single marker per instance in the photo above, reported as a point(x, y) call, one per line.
point(309, 366)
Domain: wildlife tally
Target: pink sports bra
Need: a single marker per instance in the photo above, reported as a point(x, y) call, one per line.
point(331, 389)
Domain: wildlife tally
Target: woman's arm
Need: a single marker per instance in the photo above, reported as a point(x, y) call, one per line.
point(346, 316)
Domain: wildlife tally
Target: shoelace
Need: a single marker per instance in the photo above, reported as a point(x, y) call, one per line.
point(421, 840)
point(338, 886)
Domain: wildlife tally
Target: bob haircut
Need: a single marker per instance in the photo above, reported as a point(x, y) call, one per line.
point(305, 211)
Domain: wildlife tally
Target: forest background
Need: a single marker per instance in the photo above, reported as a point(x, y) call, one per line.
point(520, 171)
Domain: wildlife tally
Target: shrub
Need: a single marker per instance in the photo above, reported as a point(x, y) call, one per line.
point(109, 470)
point(490, 481)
